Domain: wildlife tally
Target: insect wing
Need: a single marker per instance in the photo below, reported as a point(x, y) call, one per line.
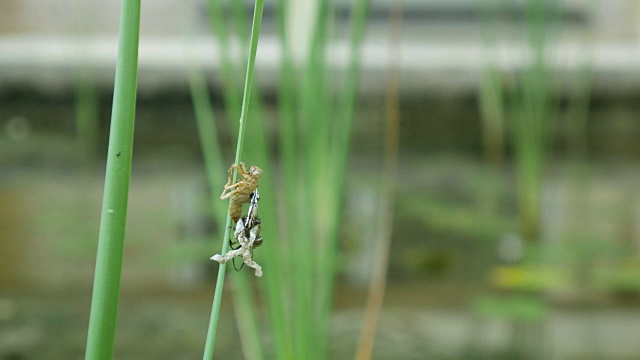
point(258, 241)
point(254, 233)
point(252, 215)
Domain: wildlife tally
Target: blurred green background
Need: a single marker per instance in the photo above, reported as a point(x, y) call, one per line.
point(516, 217)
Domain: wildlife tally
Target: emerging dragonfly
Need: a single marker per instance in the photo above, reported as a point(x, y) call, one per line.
point(249, 222)
point(247, 234)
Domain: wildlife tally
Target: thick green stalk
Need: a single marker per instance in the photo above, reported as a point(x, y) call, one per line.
point(217, 297)
point(106, 286)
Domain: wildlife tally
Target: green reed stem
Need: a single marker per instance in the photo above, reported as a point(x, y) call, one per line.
point(213, 161)
point(314, 135)
point(244, 306)
point(217, 297)
point(339, 156)
point(310, 137)
point(272, 251)
point(106, 285)
point(205, 121)
point(231, 90)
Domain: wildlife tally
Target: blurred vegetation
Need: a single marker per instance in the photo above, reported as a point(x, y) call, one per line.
point(516, 208)
point(314, 160)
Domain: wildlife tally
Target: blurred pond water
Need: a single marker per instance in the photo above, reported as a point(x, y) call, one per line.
point(452, 215)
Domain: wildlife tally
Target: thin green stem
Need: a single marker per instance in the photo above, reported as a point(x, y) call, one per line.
point(248, 82)
point(106, 285)
point(242, 292)
point(275, 278)
point(213, 161)
point(217, 297)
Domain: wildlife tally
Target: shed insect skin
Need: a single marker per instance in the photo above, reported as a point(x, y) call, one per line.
point(240, 192)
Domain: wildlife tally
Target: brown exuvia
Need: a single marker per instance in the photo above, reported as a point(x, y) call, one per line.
point(240, 192)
